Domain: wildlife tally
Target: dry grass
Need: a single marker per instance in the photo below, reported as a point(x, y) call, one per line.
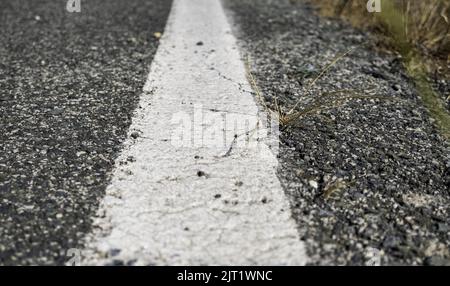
point(420, 25)
point(418, 30)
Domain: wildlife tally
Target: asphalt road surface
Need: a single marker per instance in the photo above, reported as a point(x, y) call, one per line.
point(69, 84)
point(88, 102)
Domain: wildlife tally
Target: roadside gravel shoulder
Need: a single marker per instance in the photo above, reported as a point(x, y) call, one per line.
point(371, 175)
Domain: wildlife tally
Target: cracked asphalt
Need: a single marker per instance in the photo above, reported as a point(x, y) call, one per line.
point(367, 174)
point(68, 86)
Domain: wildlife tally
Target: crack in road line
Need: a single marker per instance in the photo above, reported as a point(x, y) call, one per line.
point(152, 218)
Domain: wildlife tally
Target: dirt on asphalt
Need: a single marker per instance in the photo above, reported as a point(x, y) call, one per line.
point(69, 83)
point(367, 179)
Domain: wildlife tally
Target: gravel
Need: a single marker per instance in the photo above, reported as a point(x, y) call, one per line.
point(68, 86)
point(372, 174)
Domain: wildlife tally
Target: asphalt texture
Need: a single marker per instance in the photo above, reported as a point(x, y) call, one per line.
point(68, 86)
point(367, 176)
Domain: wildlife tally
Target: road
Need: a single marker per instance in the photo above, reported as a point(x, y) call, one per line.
point(69, 84)
point(201, 187)
point(142, 133)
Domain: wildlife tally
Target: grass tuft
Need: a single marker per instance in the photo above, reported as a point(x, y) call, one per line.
point(326, 101)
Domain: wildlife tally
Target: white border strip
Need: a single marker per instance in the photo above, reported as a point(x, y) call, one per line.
point(183, 201)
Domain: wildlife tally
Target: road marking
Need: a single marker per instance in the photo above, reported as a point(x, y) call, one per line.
point(195, 203)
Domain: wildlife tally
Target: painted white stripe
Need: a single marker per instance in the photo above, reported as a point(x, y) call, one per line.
point(157, 209)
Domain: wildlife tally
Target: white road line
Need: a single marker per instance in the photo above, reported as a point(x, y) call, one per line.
point(163, 206)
